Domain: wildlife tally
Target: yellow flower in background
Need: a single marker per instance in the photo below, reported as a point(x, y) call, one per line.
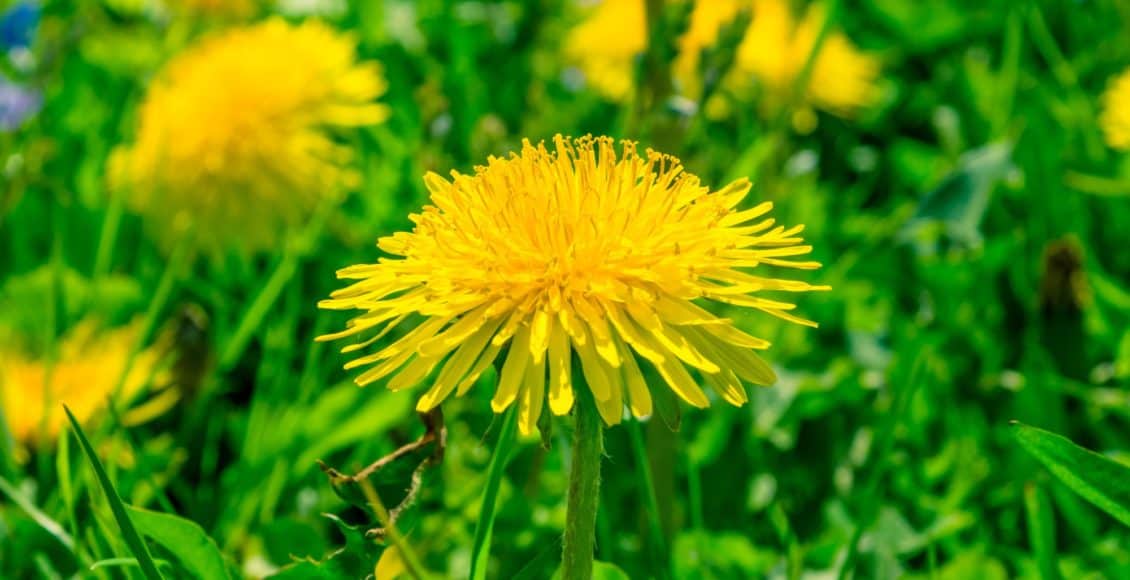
point(605, 46)
point(89, 366)
point(236, 134)
point(1115, 116)
point(585, 249)
point(777, 45)
point(772, 53)
point(706, 22)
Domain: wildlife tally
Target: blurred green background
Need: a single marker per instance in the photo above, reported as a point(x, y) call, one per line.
point(972, 219)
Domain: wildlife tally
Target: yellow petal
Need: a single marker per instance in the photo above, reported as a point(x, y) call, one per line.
point(412, 374)
point(681, 382)
point(639, 398)
point(378, 372)
point(533, 393)
point(404, 344)
point(676, 343)
point(560, 371)
point(596, 372)
point(727, 385)
point(599, 331)
point(540, 328)
point(485, 360)
point(457, 366)
point(443, 342)
point(632, 335)
point(744, 362)
point(740, 217)
point(512, 370)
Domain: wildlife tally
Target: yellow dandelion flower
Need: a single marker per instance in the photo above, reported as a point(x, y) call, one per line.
point(579, 249)
point(1115, 116)
point(772, 52)
point(776, 46)
point(605, 46)
point(88, 369)
point(236, 134)
point(706, 22)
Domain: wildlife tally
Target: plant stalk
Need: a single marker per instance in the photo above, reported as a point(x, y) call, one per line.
point(584, 490)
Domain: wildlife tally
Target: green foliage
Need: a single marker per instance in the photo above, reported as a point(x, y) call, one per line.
point(972, 225)
point(121, 515)
point(183, 538)
point(1100, 480)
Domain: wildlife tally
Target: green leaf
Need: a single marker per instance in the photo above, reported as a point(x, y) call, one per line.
point(1041, 531)
point(129, 532)
point(1101, 481)
point(959, 201)
point(185, 539)
point(480, 553)
point(49, 525)
point(608, 571)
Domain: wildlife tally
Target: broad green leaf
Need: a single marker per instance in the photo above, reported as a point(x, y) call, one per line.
point(183, 538)
point(1101, 481)
point(959, 201)
point(129, 532)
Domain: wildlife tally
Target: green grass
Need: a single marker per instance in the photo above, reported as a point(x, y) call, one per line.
point(951, 218)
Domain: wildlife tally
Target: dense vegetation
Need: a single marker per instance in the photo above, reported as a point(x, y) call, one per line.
point(968, 195)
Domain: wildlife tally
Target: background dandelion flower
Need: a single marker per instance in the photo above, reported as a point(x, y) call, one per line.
point(1115, 116)
point(773, 51)
point(604, 47)
point(777, 45)
point(89, 367)
point(235, 133)
point(579, 249)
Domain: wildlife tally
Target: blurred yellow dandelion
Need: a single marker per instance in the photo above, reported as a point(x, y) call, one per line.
point(773, 52)
point(89, 367)
point(1115, 116)
point(236, 134)
point(706, 22)
point(579, 249)
point(605, 46)
point(777, 45)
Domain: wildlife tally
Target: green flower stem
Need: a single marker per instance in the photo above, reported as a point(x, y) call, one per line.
point(108, 236)
point(584, 490)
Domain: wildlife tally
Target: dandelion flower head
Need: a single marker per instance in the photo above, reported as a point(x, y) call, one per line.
point(777, 45)
point(772, 52)
point(580, 249)
point(606, 44)
point(1115, 116)
point(237, 134)
point(87, 371)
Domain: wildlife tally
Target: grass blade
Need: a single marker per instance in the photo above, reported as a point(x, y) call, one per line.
point(129, 532)
point(49, 525)
point(480, 553)
point(1041, 531)
point(647, 486)
point(1101, 481)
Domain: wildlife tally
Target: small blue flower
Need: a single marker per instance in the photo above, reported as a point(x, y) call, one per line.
point(18, 25)
point(17, 104)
